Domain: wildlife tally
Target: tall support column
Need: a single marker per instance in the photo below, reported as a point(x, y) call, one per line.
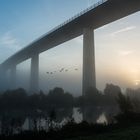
point(89, 79)
point(34, 81)
point(13, 77)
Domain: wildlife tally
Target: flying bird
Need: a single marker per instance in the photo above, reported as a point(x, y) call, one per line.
point(61, 70)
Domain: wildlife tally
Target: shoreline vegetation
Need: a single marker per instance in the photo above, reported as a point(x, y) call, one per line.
point(84, 131)
point(14, 104)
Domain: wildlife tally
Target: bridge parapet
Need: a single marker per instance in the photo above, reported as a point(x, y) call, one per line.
point(78, 15)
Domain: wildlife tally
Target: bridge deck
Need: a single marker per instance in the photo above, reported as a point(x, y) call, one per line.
point(94, 17)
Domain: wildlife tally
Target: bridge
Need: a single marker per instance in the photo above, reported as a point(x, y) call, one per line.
point(84, 23)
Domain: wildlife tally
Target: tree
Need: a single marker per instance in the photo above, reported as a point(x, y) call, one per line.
point(124, 103)
point(112, 90)
point(57, 98)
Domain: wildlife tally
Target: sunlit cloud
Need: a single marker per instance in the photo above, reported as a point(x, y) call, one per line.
point(123, 30)
point(126, 52)
point(9, 41)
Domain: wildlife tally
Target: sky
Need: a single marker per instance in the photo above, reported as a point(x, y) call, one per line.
point(116, 45)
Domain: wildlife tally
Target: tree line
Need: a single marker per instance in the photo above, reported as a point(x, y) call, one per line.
point(19, 99)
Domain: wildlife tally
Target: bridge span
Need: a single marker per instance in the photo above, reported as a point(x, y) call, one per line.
point(84, 23)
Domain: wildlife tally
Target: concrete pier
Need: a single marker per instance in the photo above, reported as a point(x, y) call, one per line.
point(34, 81)
point(89, 79)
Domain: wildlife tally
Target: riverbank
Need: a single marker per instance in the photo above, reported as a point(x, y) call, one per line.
point(127, 133)
point(83, 131)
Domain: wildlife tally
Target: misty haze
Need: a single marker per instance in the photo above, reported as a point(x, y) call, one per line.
point(70, 69)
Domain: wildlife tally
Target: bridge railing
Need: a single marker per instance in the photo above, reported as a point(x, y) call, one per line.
point(74, 17)
point(67, 21)
point(78, 15)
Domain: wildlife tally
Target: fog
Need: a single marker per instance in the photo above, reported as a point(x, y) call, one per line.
point(116, 53)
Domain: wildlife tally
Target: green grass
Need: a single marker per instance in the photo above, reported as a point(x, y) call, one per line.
point(130, 133)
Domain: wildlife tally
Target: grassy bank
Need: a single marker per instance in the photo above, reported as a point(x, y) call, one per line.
point(129, 133)
point(83, 131)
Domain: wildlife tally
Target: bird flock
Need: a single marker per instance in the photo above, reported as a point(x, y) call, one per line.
point(60, 70)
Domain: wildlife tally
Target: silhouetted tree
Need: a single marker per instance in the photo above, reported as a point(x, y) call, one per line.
point(57, 98)
point(124, 103)
point(111, 93)
point(112, 90)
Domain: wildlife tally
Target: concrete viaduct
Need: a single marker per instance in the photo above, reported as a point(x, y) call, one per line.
point(84, 23)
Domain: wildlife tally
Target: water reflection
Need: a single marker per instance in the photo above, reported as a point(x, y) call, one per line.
point(100, 114)
point(17, 121)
